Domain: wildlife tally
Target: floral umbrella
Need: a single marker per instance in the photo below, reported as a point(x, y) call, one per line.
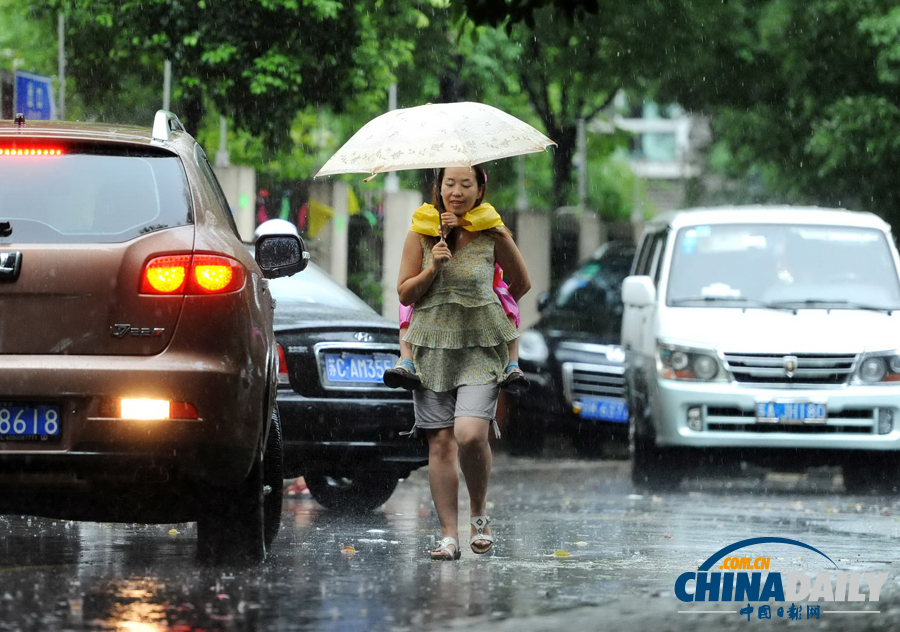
point(433, 136)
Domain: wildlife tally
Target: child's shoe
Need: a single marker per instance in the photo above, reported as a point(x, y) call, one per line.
point(403, 376)
point(515, 381)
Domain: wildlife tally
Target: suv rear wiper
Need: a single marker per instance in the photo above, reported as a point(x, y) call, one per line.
point(741, 302)
point(815, 302)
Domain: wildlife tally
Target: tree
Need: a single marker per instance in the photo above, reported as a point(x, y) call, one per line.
point(23, 42)
point(572, 69)
point(804, 95)
point(258, 61)
point(510, 12)
point(550, 83)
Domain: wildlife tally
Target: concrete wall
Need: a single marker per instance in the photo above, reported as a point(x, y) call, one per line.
point(533, 239)
point(591, 234)
point(330, 248)
point(239, 185)
point(399, 207)
point(338, 245)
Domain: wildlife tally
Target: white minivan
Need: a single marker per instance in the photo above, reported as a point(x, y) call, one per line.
point(768, 334)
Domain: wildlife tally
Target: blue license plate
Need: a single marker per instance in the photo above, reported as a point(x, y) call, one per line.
point(604, 409)
point(366, 368)
point(24, 422)
point(788, 412)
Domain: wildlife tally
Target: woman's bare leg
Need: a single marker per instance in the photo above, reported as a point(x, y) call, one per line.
point(443, 475)
point(475, 461)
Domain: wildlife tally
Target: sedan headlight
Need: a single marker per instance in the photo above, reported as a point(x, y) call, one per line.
point(532, 347)
point(878, 368)
point(675, 362)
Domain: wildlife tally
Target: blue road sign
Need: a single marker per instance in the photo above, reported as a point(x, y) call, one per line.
point(34, 97)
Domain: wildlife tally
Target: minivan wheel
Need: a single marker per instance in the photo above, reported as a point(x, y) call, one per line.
point(239, 524)
point(654, 468)
point(877, 474)
point(353, 493)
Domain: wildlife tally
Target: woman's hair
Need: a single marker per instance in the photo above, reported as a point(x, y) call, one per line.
point(480, 181)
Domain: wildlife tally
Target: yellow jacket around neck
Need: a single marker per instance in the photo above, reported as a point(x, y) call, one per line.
point(426, 220)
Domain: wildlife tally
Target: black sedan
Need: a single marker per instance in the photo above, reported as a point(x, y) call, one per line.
point(574, 362)
point(342, 426)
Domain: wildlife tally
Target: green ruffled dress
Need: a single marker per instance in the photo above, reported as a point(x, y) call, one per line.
point(459, 331)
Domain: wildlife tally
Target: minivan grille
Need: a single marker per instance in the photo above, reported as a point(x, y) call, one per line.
point(593, 380)
point(808, 368)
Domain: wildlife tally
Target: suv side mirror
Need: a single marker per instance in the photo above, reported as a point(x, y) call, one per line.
point(638, 291)
point(543, 301)
point(279, 249)
point(281, 255)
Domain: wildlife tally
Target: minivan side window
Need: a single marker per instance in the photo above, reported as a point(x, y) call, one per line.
point(641, 266)
point(210, 175)
point(656, 260)
point(648, 262)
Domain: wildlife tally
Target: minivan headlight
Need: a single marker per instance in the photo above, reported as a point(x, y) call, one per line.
point(878, 368)
point(675, 362)
point(532, 347)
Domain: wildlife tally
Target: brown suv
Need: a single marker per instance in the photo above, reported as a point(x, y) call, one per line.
point(137, 361)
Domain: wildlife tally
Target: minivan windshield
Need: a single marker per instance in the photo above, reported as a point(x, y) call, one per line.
point(783, 266)
point(93, 196)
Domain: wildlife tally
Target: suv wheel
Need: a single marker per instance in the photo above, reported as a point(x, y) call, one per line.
point(273, 480)
point(355, 493)
point(877, 474)
point(239, 524)
point(654, 468)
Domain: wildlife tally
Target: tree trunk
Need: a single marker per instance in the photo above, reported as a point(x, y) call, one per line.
point(191, 105)
point(566, 138)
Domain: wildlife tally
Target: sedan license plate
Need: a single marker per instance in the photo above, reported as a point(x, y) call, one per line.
point(604, 409)
point(790, 412)
point(29, 422)
point(367, 368)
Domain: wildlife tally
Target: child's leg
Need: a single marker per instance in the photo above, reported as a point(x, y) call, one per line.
point(514, 381)
point(406, 348)
point(404, 374)
point(513, 346)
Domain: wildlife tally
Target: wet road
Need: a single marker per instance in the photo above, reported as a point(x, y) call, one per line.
point(577, 548)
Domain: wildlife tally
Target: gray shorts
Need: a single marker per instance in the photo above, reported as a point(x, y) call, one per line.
point(440, 410)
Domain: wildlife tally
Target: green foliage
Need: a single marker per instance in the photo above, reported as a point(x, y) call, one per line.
point(510, 12)
point(804, 95)
point(24, 41)
point(258, 61)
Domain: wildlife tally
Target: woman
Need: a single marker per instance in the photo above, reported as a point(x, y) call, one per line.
point(459, 335)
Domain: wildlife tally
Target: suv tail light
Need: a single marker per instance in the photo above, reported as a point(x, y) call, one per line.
point(165, 275)
point(191, 274)
point(283, 379)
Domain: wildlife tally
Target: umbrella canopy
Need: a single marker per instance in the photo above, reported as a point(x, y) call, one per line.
point(435, 135)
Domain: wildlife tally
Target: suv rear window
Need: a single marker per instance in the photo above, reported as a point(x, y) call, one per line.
point(92, 195)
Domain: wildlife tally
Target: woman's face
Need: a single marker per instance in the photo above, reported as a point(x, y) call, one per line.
point(459, 190)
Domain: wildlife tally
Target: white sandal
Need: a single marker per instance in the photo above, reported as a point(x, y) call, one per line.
point(443, 552)
point(480, 522)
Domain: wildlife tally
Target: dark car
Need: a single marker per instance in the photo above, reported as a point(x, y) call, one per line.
point(138, 364)
point(343, 428)
point(574, 361)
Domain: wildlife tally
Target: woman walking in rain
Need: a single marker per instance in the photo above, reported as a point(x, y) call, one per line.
point(459, 335)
